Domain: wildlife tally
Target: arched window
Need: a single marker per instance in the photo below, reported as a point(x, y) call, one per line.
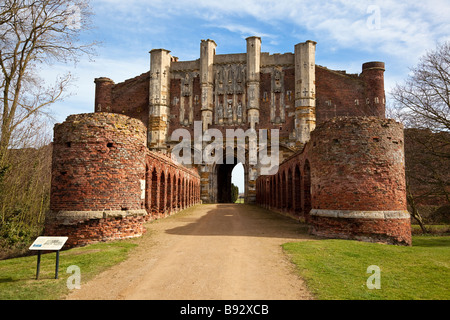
point(297, 190)
point(155, 192)
point(162, 193)
point(289, 189)
point(179, 195)
point(169, 193)
point(307, 189)
point(283, 190)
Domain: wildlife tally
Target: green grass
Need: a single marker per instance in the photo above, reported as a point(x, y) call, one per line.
point(337, 269)
point(18, 276)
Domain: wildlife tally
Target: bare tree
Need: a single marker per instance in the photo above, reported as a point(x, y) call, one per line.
point(427, 173)
point(36, 33)
point(424, 100)
point(422, 103)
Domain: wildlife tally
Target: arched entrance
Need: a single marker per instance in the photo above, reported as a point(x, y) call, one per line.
point(222, 178)
point(307, 190)
point(224, 182)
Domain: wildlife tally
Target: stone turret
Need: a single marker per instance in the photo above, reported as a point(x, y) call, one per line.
point(305, 90)
point(253, 79)
point(159, 98)
point(207, 53)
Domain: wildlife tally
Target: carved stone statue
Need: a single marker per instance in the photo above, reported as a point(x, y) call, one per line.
point(239, 110)
point(219, 111)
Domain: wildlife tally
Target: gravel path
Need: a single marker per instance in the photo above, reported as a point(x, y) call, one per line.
point(208, 252)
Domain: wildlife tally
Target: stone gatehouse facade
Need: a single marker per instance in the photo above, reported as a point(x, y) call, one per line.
point(116, 167)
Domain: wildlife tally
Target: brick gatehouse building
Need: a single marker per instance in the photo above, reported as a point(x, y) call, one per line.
point(341, 162)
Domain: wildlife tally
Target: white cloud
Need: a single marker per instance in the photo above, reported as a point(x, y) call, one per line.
point(404, 27)
point(344, 21)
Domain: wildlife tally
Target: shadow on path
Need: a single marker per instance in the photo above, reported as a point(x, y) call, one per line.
point(243, 220)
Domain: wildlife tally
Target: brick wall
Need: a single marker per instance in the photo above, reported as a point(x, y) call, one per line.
point(130, 97)
point(88, 231)
point(170, 187)
point(339, 94)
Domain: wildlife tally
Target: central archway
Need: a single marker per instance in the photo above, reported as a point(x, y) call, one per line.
point(224, 182)
point(223, 178)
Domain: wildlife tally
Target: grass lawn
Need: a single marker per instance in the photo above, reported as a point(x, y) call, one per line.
point(337, 269)
point(18, 276)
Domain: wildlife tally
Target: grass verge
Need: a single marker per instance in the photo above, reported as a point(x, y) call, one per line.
point(18, 276)
point(337, 269)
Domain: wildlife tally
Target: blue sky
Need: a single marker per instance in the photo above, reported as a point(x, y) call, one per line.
point(348, 33)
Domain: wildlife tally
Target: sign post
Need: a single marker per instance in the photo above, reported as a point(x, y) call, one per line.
point(48, 244)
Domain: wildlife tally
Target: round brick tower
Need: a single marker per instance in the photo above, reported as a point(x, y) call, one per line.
point(358, 181)
point(373, 77)
point(103, 94)
point(98, 178)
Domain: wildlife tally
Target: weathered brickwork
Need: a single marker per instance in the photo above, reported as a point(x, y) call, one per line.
point(90, 230)
point(170, 187)
point(348, 182)
point(102, 183)
point(361, 163)
point(98, 161)
point(130, 97)
point(340, 94)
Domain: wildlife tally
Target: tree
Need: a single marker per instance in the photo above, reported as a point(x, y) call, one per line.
point(234, 193)
point(35, 34)
point(424, 100)
point(422, 103)
point(427, 175)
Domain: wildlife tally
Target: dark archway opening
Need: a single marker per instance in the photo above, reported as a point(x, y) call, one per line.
point(307, 190)
point(224, 179)
point(224, 182)
point(297, 191)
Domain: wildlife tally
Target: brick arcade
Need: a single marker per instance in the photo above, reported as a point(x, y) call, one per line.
point(342, 162)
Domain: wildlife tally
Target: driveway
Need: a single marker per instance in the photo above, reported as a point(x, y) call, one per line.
point(208, 252)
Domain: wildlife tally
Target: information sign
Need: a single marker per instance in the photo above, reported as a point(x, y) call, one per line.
point(48, 244)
